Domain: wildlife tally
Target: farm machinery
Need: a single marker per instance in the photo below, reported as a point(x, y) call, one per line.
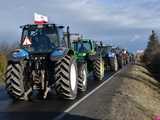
point(122, 56)
point(43, 61)
point(88, 60)
point(114, 57)
point(109, 56)
point(46, 61)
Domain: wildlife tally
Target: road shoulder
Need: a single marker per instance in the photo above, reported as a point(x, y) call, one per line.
point(138, 96)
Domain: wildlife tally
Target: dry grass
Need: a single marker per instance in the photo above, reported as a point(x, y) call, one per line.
point(3, 62)
point(138, 98)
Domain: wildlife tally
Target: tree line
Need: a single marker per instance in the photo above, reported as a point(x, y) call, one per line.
point(5, 48)
point(151, 57)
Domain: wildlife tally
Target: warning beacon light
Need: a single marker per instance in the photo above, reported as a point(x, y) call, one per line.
point(40, 19)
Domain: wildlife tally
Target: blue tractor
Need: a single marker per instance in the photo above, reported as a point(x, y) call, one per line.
point(109, 56)
point(44, 61)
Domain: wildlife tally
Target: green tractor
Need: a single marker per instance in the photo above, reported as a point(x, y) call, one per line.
point(88, 60)
point(43, 62)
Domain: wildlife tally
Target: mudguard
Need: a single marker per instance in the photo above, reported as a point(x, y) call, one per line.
point(58, 53)
point(18, 54)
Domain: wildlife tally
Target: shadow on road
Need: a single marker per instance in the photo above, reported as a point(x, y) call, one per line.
point(42, 109)
point(39, 116)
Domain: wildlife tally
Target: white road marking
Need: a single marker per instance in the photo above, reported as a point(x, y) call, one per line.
point(59, 117)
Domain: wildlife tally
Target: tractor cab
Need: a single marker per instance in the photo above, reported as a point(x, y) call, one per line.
point(83, 46)
point(42, 38)
point(107, 49)
point(104, 49)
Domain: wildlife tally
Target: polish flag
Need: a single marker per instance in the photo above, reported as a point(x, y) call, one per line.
point(40, 19)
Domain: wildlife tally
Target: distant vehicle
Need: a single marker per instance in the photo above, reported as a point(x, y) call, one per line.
point(88, 59)
point(109, 56)
point(122, 56)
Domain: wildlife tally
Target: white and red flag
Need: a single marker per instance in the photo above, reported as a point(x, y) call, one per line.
point(40, 19)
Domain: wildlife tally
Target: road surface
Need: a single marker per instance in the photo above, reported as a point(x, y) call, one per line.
point(56, 108)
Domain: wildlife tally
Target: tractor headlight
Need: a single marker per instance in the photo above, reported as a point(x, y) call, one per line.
point(82, 54)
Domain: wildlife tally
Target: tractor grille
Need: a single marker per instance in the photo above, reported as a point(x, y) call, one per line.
point(39, 61)
point(39, 56)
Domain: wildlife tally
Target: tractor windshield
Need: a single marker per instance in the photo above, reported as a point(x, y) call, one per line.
point(40, 39)
point(108, 48)
point(104, 50)
point(82, 46)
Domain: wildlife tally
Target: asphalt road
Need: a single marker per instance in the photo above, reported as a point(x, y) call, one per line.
point(42, 109)
point(98, 105)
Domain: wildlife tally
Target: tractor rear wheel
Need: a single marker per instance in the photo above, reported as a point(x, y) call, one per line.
point(99, 68)
point(82, 77)
point(66, 78)
point(114, 64)
point(17, 84)
point(121, 62)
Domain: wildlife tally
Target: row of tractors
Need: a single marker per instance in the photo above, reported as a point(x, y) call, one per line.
point(115, 58)
point(49, 60)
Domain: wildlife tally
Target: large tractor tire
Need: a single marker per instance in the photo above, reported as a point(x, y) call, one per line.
point(120, 62)
point(114, 64)
point(66, 78)
point(82, 77)
point(99, 68)
point(17, 84)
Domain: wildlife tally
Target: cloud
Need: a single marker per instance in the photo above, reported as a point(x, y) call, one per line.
point(119, 22)
point(135, 38)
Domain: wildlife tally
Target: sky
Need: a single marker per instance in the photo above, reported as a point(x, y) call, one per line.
point(123, 23)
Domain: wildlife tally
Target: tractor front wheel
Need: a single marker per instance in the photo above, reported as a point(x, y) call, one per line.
point(17, 84)
point(99, 68)
point(82, 77)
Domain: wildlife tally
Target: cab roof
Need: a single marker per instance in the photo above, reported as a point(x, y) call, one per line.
point(40, 25)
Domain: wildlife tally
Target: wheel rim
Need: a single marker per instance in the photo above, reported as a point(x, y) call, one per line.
point(73, 77)
point(84, 77)
point(102, 69)
point(116, 65)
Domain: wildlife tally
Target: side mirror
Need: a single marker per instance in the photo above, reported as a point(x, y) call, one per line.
point(101, 43)
point(68, 37)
